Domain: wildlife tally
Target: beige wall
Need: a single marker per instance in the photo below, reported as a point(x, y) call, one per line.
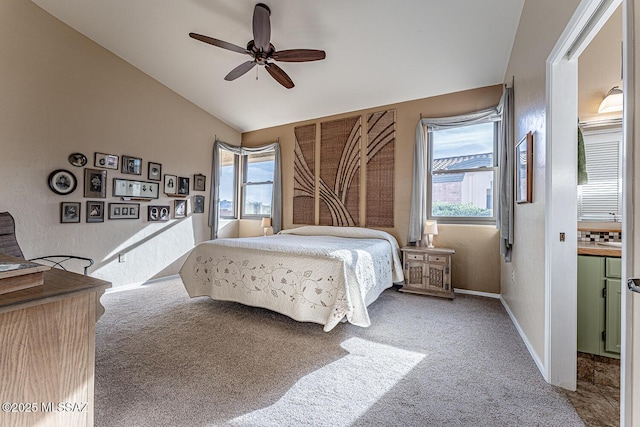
point(523, 280)
point(476, 265)
point(62, 93)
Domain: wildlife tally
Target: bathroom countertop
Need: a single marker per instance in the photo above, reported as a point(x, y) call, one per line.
point(593, 248)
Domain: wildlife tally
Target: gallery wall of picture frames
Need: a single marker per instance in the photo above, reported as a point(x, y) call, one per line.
point(127, 190)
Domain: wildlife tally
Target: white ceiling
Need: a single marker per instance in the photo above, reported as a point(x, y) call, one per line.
point(378, 52)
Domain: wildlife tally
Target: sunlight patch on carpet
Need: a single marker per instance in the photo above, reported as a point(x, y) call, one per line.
point(341, 392)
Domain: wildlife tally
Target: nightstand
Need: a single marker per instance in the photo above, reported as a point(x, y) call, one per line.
point(427, 271)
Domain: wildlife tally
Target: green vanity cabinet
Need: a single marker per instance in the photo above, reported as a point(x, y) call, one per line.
point(590, 303)
point(599, 294)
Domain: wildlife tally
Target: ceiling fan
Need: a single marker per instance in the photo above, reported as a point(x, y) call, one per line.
point(262, 51)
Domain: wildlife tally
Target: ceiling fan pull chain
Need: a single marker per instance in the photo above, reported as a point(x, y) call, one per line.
point(257, 72)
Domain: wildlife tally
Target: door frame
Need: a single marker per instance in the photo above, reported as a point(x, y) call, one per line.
point(628, 256)
point(561, 196)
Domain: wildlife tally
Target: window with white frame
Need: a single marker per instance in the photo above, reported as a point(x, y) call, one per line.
point(601, 198)
point(228, 187)
point(257, 184)
point(462, 173)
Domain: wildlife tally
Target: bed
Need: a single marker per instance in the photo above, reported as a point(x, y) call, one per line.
point(317, 274)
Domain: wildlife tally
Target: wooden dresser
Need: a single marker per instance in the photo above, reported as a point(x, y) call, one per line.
point(427, 271)
point(47, 350)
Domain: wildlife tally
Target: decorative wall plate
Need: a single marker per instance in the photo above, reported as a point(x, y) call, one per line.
point(62, 182)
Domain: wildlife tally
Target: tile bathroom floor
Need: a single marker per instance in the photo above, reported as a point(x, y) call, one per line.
point(597, 398)
point(598, 406)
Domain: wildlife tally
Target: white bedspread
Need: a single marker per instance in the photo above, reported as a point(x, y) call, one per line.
point(314, 273)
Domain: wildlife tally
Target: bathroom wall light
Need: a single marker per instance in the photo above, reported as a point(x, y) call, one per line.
point(612, 102)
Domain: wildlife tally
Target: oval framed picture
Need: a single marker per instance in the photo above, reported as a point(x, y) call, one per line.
point(62, 182)
point(77, 159)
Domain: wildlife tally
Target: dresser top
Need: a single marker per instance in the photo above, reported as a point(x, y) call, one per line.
point(425, 250)
point(58, 284)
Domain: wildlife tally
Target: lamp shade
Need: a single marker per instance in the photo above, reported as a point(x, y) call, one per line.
point(612, 102)
point(431, 227)
point(266, 222)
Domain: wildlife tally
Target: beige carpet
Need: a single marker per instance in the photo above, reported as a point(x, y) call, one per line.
point(163, 359)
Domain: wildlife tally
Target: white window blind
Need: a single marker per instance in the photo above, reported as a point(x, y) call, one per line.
point(601, 198)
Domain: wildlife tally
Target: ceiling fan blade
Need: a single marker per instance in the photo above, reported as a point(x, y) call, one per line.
point(261, 26)
point(299, 55)
point(279, 74)
point(219, 43)
point(240, 70)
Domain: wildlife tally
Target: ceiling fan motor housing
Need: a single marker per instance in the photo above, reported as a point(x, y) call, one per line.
point(259, 55)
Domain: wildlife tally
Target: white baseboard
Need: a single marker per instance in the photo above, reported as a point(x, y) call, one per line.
point(139, 284)
point(477, 293)
point(532, 352)
point(163, 279)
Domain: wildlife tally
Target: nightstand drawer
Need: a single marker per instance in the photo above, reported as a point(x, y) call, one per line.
point(438, 258)
point(415, 257)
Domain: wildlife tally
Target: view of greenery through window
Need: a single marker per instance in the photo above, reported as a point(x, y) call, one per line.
point(462, 171)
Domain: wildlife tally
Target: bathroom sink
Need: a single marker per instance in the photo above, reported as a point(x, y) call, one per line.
point(612, 244)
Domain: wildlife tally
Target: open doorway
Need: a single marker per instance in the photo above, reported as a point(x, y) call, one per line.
point(600, 215)
point(562, 92)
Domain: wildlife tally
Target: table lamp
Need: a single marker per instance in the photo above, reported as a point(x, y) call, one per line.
point(266, 224)
point(431, 229)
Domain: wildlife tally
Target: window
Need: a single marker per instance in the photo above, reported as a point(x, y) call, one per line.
point(601, 198)
point(462, 173)
point(247, 184)
point(257, 184)
point(228, 184)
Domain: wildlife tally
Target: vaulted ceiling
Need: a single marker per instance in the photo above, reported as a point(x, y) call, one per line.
point(378, 52)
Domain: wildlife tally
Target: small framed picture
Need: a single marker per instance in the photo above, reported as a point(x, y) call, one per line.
point(199, 182)
point(124, 210)
point(180, 209)
point(135, 189)
point(69, 212)
point(170, 184)
point(155, 171)
point(131, 165)
point(95, 183)
point(198, 204)
point(95, 211)
point(524, 169)
point(158, 213)
point(183, 185)
point(106, 161)
point(62, 182)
